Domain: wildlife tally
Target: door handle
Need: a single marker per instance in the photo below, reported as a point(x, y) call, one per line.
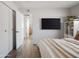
point(5, 30)
point(17, 31)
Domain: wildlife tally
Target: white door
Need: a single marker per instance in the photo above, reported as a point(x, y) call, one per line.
point(4, 30)
point(19, 29)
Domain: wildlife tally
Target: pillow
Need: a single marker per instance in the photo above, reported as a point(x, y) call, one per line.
point(77, 36)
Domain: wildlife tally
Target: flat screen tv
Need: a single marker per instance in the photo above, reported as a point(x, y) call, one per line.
point(50, 23)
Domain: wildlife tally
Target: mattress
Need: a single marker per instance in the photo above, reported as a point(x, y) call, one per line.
point(59, 48)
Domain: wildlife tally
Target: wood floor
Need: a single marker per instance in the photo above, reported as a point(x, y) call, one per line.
point(27, 50)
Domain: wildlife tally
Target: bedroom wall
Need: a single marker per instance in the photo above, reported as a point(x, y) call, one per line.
point(74, 10)
point(37, 14)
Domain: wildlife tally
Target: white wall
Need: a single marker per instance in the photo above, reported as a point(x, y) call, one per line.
point(37, 14)
point(75, 10)
point(11, 5)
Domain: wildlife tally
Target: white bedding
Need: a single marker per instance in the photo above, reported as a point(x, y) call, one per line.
point(59, 48)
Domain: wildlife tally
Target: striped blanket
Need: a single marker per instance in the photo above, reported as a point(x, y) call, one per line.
point(59, 48)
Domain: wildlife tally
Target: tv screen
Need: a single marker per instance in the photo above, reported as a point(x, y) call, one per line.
point(50, 23)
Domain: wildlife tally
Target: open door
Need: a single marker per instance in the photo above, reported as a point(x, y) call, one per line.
point(14, 29)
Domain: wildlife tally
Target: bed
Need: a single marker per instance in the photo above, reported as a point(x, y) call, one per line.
point(59, 48)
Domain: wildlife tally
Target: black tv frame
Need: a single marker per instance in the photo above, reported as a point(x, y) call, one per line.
point(56, 25)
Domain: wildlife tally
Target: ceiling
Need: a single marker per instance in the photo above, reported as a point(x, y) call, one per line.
point(24, 5)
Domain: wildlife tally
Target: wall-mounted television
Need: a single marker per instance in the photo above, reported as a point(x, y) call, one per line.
point(50, 23)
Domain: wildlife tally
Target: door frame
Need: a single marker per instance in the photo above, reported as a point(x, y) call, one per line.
point(14, 29)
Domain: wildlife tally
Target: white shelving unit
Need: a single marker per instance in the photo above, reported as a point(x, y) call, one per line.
point(71, 28)
point(76, 27)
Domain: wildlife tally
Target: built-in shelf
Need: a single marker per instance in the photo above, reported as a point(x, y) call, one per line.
point(69, 26)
